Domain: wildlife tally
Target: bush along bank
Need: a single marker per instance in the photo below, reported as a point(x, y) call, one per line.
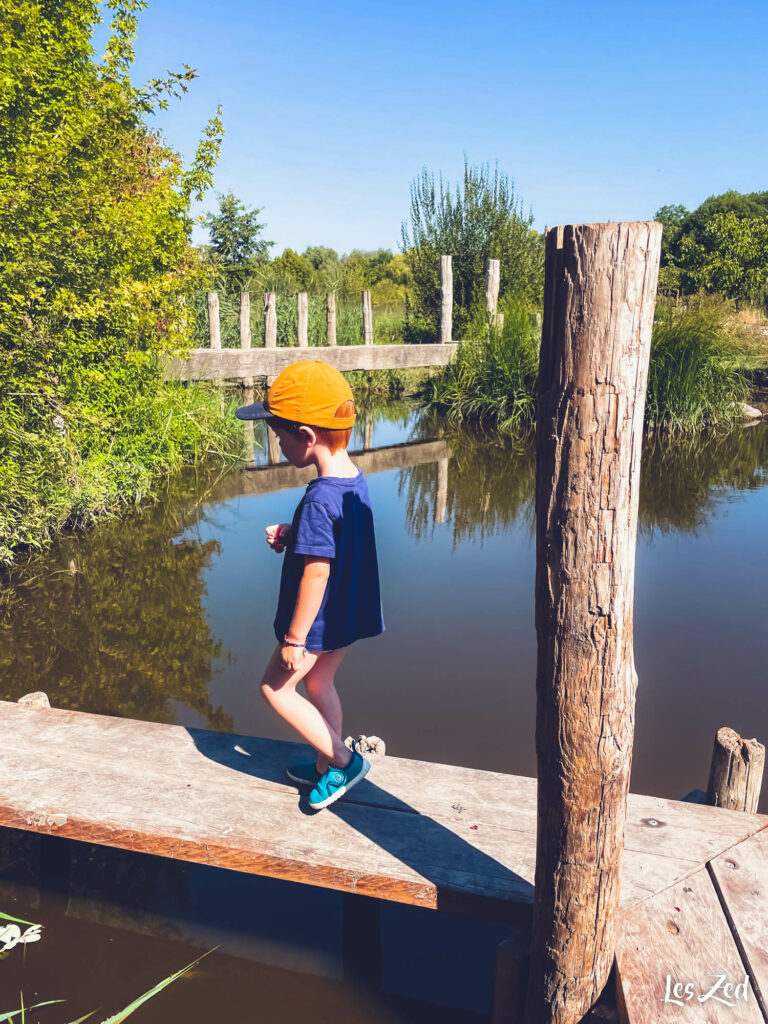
point(694, 377)
point(97, 275)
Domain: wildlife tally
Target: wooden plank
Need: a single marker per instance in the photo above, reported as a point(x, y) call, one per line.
point(680, 937)
point(330, 318)
point(217, 785)
point(740, 876)
point(230, 363)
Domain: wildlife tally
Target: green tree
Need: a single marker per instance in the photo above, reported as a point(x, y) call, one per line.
point(294, 269)
point(95, 265)
point(235, 233)
point(718, 247)
point(481, 219)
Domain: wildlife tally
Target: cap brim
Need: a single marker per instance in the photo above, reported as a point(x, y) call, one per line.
point(253, 412)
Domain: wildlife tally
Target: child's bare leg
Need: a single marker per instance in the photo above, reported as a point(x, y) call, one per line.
point(319, 684)
point(278, 686)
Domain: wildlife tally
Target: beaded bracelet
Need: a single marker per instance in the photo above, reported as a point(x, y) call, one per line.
point(290, 643)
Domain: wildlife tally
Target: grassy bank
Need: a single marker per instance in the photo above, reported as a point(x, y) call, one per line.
point(65, 468)
point(705, 360)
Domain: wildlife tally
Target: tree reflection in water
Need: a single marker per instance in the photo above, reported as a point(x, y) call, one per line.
point(491, 480)
point(113, 621)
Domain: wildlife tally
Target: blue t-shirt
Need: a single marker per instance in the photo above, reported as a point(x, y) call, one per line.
point(334, 520)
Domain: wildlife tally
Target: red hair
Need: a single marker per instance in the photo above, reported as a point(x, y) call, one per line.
point(334, 439)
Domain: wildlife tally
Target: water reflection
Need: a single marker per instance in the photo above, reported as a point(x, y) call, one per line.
point(115, 621)
point(491, 481)
point(683, 480)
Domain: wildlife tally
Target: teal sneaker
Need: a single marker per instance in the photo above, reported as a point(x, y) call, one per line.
point(305, 773)
point(337, 781)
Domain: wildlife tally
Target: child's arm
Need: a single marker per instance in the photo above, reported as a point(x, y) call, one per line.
point(310, 597)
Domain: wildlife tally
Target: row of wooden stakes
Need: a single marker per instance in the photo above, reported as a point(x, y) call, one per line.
point(493, 274)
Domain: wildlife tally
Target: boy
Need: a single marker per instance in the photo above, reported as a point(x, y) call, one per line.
point(329, 587)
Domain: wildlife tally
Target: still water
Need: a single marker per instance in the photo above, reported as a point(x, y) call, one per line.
point(168, 617)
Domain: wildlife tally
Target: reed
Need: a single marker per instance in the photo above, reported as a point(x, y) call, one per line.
point(693, 377)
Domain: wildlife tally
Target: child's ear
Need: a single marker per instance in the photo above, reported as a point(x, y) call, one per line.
point(309, 435)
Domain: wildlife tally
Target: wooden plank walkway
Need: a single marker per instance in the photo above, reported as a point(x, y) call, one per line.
point(694, 878)
point(236, 363)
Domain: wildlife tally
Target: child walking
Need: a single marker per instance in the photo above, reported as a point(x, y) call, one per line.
point(329, 587)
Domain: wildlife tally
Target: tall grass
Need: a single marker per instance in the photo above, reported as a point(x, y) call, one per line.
point(493, 378)
point(693, 377)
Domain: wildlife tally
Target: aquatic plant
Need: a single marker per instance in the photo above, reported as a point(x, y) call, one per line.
point(693, 376)
point(19, 1016)
point(493, 378)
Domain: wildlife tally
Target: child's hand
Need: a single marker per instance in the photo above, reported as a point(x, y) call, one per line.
point(291, 657)
point(277, 536)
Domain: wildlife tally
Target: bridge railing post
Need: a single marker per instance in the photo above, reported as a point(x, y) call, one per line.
point(492, 280)
point(245, 329)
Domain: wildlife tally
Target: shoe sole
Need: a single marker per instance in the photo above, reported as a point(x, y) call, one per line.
point(301, 782)
point(344, 789)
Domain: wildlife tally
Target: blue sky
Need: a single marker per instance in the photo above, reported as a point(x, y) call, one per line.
point(598, 110)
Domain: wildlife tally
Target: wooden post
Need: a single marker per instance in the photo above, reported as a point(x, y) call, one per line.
point(273, 448)
point(441, 500)
point(330, 318)
point(270, 320)
point(302, 309)
point(249, 428)
point(367, 318)
point(245, 329)
point(367, 432)
point(512, 963)
point(214, 328)
point(492, 279)
point(736, 773)
point(599, 298)
point(446, 300)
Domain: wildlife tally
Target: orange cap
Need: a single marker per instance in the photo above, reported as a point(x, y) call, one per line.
point(310, 392)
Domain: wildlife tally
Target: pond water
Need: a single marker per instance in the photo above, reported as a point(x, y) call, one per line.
point(167, 616)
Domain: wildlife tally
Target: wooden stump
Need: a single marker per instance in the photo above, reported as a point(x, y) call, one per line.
point(600, 291)
point(736, 773)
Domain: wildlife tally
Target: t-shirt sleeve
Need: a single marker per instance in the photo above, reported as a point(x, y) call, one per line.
point(314, 531)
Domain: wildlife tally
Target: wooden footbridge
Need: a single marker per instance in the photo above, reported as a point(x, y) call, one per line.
point(694, 878)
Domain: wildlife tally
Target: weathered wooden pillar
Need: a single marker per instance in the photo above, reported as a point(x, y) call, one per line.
point(367, 318)
point(214, 328)
point(492, 279)
point(245, 329)
point(736, 772)
point(302, 310)
point(270, 320)
point(270, 326)
point(599, 298)
point(330, 318)
point(446, 300)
